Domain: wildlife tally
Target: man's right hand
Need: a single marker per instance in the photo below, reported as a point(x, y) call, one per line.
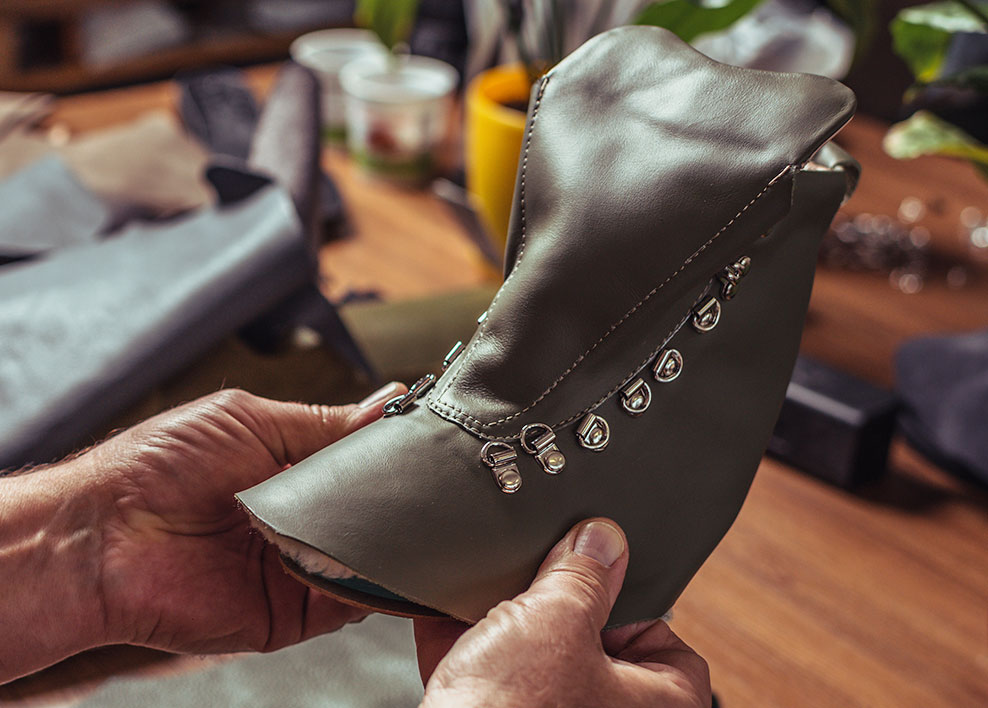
point(545, 647)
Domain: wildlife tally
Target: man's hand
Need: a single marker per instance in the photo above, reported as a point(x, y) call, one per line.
point(180, 568)
point(140, 539)
point(545, 647)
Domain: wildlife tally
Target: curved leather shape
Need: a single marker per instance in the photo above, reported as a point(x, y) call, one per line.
point(648, 169)
point(659, 163)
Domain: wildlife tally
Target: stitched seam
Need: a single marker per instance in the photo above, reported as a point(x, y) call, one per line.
point(644, 363)
point(521, 248)
point(637, 370)
point(461, 414)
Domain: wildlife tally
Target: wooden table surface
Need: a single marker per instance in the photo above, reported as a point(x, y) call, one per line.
point(817, 596)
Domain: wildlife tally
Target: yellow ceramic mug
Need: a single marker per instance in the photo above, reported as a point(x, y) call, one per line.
point(493, 139)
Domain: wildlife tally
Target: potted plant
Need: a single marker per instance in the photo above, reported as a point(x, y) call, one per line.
point(325, 53)
point(397, 105)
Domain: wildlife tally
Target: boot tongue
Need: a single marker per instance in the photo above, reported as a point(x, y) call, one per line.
point(647, 167)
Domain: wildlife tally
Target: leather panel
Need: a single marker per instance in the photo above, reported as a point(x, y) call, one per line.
point(646, 168)
point(407, 503)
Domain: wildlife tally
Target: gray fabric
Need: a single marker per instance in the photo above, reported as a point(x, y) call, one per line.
point(87, 331)
point(943, 384)
point(367, 665)
point(44, 208)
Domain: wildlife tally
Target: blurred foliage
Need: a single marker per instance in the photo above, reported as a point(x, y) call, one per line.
point(861, 16)
point(390, 20)
point(922, 35)
point(945, 45)
point(926, 134)
point(691, 18)
point(548, 20)
point(687, 18)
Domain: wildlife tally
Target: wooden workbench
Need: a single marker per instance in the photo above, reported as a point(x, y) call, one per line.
point(817, 597)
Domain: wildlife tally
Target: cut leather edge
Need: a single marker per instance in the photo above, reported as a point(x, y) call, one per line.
point(300, 560)
point(356, 598)
point(288, 547)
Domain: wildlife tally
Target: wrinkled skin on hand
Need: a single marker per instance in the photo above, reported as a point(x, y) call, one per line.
point(545, 647)
point(180, 569)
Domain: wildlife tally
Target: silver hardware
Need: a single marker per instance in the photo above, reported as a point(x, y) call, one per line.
point(636, 396)
point(482, 317)
point(503, 461)
point(593, 432)
point(451, 356)
point(731, 276)
point(668, 365)
point(422, 385)
point(538, 439)
point(706, 317)
point(399, 404)
point(396, 405)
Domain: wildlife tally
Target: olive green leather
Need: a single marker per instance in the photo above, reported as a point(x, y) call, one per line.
point(647, 169)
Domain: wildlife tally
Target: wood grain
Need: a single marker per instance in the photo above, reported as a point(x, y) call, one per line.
point(817, 596)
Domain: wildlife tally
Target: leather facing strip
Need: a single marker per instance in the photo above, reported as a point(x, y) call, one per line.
point(478, 427)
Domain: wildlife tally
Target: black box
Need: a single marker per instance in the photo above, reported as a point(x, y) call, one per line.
point(833, 425)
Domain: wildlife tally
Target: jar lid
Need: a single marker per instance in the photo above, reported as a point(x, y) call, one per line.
point(401, 79)
point(329, 50)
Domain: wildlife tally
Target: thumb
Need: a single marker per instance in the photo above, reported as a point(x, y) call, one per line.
point(296, 430)
point(583, 573)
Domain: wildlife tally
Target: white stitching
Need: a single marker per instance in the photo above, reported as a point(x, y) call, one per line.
point(675, 330)
point(521, 248)
point(637, 370)
point(462, 416)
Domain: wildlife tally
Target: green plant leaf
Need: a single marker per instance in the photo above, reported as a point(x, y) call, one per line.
point(390, 20)
point(921, 35)
point(860, 16)
point(975, 78)
point(925, 134)
point(691, 18)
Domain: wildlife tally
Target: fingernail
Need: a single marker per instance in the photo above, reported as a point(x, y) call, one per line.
point(600, 541)
point(380, 395)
